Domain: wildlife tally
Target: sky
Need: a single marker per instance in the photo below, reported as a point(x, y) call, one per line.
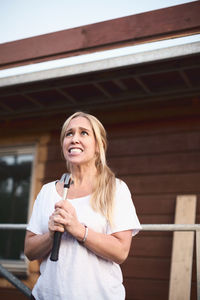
point(21, 19)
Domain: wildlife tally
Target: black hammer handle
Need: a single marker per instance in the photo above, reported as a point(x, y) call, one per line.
point(58, 234)
point(56, 246)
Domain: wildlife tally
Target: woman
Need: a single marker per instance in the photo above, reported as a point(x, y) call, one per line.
point(98, 221)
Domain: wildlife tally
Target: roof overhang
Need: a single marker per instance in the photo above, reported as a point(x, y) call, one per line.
point(103, 60)
point(131, 62)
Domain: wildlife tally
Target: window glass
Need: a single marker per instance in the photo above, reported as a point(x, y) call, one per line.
point(15, 182)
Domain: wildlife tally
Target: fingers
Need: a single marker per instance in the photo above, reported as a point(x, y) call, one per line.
point(66, 205)
point(61, 217)
point(60, 212)
point(66, 211)
point(54, 225)
point(60, 220)
point(64, 218)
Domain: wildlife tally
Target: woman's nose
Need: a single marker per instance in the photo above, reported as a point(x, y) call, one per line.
point(75, 138)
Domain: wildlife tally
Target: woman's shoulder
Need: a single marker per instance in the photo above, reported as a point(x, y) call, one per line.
point(121, 186)
point(49, 186)
point(121, 183)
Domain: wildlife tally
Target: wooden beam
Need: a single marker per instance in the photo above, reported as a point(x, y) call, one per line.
point(198, 262)
point(67, 95)
point(103, 90)
point(142, 84)
point(186, 79)
point(153, 25)
point(182, 250)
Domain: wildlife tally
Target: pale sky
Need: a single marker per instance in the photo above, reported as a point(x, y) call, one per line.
point(25, 18)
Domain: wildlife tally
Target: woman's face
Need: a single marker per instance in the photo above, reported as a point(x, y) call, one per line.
point(79, 144)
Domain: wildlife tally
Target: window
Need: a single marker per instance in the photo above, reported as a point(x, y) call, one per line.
point(15, 185)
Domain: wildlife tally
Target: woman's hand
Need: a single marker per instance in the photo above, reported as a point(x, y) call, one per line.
point(114, 247)
point(64, 218)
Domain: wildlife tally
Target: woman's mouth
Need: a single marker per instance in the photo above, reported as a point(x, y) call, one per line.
point(75, 150)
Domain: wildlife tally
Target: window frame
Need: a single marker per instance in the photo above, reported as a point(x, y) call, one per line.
point(20, 267)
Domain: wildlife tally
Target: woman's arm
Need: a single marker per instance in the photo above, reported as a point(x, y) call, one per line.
point(37, 246)
point(113, 247)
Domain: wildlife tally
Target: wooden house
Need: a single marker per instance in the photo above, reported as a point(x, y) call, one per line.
point(140, 75)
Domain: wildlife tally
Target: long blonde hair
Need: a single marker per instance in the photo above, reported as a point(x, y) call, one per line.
point(102, 199)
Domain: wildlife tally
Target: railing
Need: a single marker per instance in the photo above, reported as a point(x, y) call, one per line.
point(181, 227)
point(15, 281)
point(8, 275)
point(145, 227)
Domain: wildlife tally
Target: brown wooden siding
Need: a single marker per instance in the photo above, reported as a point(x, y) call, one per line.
point(11, 293)
point(158, 163)
point(158, 160)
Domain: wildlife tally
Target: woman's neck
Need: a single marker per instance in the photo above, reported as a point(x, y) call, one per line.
point(82, 175)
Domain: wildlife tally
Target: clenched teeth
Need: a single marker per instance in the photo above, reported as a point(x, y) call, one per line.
point(75, 150)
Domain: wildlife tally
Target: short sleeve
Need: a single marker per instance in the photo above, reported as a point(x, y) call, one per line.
point(124, 216)
point(35, 223)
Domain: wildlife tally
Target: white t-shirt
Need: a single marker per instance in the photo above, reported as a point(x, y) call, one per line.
point(79, 274)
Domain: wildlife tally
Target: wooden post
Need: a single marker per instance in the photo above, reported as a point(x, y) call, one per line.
point(182, 250)
point(198, 262)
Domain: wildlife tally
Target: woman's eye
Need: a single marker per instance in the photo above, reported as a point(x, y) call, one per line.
point(84, 132)
point(68, 133)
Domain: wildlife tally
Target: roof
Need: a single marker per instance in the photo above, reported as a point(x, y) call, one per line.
point(117, 75)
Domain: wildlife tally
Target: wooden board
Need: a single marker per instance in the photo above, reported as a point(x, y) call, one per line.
point(182, 250)
point(147, 289)
point(149, 25)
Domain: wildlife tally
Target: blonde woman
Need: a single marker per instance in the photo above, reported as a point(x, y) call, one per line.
point(98, 221)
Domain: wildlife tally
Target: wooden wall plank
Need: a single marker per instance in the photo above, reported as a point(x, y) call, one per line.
point(162, 203)
point(151, 246)
point(147, 289)
point(198, 262)
point(164, 183)
point(149, 204)
point(154, 143)
point(156, 219)
point(182, 252)
point(146, 267)
point(152, 164)
point(12, 293)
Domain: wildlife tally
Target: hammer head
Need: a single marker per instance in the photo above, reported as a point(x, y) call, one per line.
point(66, 179)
